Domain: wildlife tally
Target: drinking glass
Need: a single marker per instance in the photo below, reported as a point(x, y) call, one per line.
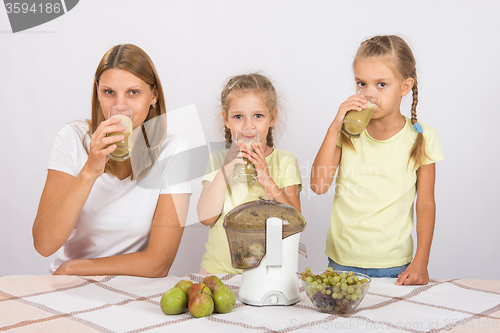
point(124, 147)
point(246, 173)
point(356, 121)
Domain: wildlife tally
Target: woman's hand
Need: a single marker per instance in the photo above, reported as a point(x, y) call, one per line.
point(354, 102)
point(65, 267)
point(101, 146)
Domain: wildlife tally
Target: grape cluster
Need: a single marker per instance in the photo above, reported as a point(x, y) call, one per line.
point(334, 292)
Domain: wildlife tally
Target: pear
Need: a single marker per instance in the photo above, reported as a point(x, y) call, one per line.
point(201, 304)
point(224, 299)
point(184, 285)
point(173, 301)
point(212, 282)
point(198, 287)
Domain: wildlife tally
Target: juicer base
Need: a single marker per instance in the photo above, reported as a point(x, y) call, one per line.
point(271, 298)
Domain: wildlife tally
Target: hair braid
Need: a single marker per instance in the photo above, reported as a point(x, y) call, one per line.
point(414, 103)
point(269, 138)
point(417, 152)
point(228, 137)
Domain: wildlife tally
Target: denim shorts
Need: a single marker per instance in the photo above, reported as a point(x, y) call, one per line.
point(391, 272)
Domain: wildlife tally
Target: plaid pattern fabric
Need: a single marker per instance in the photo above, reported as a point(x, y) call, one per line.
point(130, 304)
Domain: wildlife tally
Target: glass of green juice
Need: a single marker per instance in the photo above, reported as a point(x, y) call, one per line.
point(356, 121)
point(124, 147)
point(246, 173)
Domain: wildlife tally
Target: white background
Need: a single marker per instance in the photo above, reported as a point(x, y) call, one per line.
point(307, 48)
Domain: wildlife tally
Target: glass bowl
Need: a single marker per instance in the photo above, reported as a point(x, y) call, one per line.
point(339, 298)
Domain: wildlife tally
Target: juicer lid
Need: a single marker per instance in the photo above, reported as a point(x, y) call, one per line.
point(251, 217)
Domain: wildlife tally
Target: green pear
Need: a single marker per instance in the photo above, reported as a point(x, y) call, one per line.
point(201, 304)
point(212, 282)
point(184, 285)
point(224, 299)
point(173, 301)
point(198, 287)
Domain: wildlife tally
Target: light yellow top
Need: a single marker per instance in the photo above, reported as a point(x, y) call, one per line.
point(372, 213)
point(284, 170)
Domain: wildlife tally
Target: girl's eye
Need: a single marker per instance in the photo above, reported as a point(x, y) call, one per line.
point(108, 92)
point(134, 92)
point(237, 116)
point(361, 84)
point(382, 85)
point(259, 115)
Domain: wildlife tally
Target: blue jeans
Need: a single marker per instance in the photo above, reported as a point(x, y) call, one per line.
point(391, 272)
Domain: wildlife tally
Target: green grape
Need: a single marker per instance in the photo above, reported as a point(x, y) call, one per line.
point(350, 281)
point(350, 290)
point(336, 278)
point(308, 279)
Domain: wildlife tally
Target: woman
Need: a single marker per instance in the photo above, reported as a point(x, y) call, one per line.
point(105, 217)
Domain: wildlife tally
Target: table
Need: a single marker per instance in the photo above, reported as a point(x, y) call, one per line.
point(45, 303)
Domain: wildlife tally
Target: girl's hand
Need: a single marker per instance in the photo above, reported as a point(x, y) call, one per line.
point(414, 274)
point(234, 156)
point(99, 150)
point(354, 102)
point(258, 159)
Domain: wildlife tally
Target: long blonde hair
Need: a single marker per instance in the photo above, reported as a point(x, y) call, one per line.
point(134, 60)
point(239, 85)
point(400, 59)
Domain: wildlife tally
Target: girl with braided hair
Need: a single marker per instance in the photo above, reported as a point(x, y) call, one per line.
point(247, 102)
point(380, 173)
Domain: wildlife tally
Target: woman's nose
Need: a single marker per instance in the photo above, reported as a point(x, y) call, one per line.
point(120, 100)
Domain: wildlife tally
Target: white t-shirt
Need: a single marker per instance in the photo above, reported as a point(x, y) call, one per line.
point(117, 216)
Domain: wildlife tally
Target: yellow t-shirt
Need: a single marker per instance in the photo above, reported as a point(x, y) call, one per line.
point(284, 170)
point(372, 213)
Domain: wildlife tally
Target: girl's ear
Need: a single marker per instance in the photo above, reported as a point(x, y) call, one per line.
point(274, 116)
point(155, 95)
point(406, 86)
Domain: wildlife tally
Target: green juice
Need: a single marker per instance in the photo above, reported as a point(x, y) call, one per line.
point(355, 121)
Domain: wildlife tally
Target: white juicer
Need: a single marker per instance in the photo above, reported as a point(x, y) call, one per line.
point(263, 239)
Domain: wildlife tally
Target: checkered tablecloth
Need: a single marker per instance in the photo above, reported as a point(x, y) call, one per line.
point(129, 304)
